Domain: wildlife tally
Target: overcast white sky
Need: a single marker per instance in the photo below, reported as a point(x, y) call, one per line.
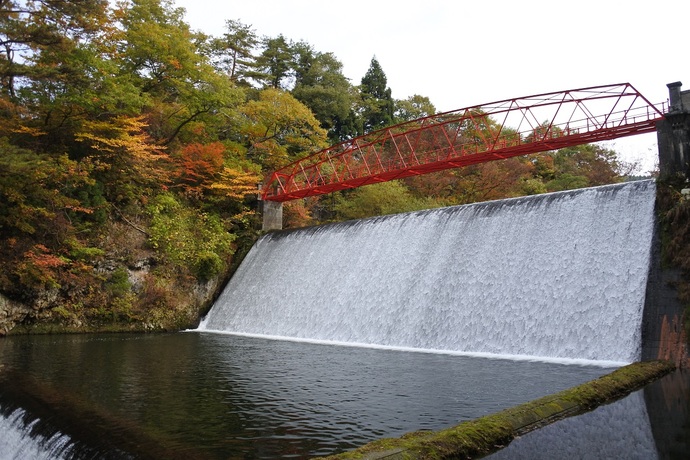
point(460, 53)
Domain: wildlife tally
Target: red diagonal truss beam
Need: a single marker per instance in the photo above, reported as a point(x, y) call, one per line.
point(472, 135)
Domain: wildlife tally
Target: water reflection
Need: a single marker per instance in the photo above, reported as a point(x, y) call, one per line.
point(198, 395)
point(649, 424)
point(615, 431)
point(668, 406)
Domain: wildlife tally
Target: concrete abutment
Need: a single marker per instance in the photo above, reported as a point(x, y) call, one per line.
point(272, 213)
point(663, 330)
point(673, 135)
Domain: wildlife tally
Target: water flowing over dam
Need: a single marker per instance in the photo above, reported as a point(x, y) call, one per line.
point(560, 276)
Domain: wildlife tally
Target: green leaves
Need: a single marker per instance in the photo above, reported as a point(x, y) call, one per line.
point(279, 129)
point(378, 105)
point(379, 199)
point(35, 191)
point(189, 238)
point(233, 52)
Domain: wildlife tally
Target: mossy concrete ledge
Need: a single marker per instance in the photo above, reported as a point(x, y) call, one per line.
point(476, 438)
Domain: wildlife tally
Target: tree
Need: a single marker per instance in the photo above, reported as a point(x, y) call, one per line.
point(321, 86)
point(35, 192)
point(189, 237)
point(378, 106)
point(31, 28)
point(275, 63)
point(50, 69)
point(197, 165)
point(125, 159)
point(378, 199)
point(412, 108)
point(204, 173)
point(279, 129)
point(584, 166)
point(157, 48)
point(40, 220)
point(233, 53)
point(470, 184)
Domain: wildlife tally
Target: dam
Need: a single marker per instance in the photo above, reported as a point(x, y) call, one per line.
point(559, 277)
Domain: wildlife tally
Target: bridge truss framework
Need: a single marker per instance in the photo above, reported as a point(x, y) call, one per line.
point(472, 135)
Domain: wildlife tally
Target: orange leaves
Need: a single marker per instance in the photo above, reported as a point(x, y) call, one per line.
point(124, 154)
point(40, 267)
point(202, 170)
point(296, 214)
point(198, 163)
point(76, 208)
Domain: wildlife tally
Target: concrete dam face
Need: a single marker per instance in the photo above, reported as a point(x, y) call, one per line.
point(559, 276)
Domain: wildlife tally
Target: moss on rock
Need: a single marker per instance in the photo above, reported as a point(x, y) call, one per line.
point(484, 435)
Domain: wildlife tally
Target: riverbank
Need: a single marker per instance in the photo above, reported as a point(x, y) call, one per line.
point(487, 434)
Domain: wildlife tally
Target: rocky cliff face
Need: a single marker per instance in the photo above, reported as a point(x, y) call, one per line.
point(175, 305)
point(126, 286)
point(11, 314)
point(136, 294)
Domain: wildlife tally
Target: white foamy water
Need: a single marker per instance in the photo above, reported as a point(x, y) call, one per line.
point(556, 276)
point(17, 442)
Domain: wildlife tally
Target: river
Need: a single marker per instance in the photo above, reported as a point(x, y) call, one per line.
point(211, 396)
point(200, 395)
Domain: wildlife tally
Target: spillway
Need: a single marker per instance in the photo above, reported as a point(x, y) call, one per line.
point(559, 276)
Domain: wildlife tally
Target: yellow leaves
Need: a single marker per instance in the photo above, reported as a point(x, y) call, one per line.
point(281, 110)
point(235, 183)
point(119, 134)
point(279, 128)
point(120, 145)
point(31, 131)
point(270, 153)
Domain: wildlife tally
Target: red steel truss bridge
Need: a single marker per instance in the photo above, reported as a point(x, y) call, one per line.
point(472, 135)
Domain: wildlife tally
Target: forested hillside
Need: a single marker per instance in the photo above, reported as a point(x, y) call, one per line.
point(131, 148)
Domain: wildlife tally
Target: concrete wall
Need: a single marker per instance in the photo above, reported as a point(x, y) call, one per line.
point(272, 215)
point(673, 135)
point(663, 331)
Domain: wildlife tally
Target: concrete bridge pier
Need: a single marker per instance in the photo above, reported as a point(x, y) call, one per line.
point(673, 135)
point(272, 213)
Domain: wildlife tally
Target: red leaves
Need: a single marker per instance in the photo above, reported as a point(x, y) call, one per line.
point(198, 164)
point(40, 267)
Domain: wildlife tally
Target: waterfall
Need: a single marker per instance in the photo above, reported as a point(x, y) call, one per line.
point(20, 439)
point(553, 276)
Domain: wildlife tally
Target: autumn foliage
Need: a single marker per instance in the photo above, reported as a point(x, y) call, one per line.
point(198, 165)
point(132, 148)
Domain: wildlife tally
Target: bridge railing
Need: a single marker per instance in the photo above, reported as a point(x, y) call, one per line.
point(467, 136)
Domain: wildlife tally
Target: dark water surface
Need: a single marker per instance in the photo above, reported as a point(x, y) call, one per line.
point(652, 423)
point(200, 395)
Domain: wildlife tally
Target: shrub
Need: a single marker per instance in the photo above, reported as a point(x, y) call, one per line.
point(189, 238)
